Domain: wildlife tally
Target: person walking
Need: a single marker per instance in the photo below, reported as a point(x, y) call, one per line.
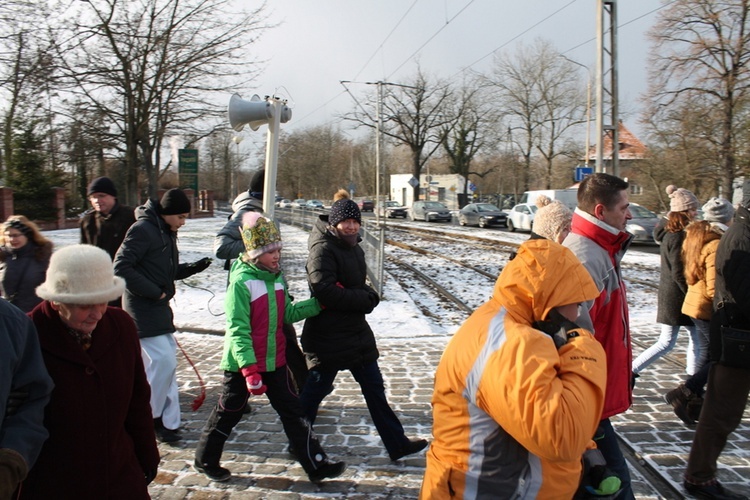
point(25, 389)
point(599, 239)
point(728, 380)
point(339, 338)
point(101, 436)
point(699, 255)
point(107, 222)
point(228, 245)
point(254, 359)
point(24, 258)
point(519, 389)
point(672, 285)
point(148, 261)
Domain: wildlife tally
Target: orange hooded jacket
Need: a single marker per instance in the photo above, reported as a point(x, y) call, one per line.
point(512, 415)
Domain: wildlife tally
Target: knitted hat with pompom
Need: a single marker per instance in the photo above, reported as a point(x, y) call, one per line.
point(681, 200)
point(552, 218)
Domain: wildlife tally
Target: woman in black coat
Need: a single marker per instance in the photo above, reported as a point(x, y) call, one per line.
point(340, 338)
point(24, 258)
point(672, 285)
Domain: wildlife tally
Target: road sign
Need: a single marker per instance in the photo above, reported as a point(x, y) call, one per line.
point(413, 182)
point(187, 167)
point(583, 172)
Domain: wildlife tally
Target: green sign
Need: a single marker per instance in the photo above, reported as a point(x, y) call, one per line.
point(188, 168)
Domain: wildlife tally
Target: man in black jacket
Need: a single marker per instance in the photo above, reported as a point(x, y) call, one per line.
point(105, 225)
point(728, 386)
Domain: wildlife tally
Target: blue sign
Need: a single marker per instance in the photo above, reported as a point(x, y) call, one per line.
point(583, 172)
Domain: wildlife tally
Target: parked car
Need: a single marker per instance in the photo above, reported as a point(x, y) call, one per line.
point(641, 226)
point(392, 209)
point(482, 215)
point(299, 203)
point(521, 216)
point(366, 205)
point(429, 211)
point(285, 203)
point(314, 205)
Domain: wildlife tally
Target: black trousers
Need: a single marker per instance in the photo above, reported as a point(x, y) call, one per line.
point(227, 413)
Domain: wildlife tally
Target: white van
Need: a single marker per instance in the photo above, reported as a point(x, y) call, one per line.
point(569, 197)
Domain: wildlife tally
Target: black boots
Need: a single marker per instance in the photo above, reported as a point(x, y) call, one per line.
point(413, 446)
point(164, 435)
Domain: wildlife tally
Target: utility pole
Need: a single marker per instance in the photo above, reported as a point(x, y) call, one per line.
point(607, 119)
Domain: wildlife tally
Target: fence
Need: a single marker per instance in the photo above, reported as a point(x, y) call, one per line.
point(373, 240)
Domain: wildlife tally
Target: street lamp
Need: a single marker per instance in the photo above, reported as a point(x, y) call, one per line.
point(588, 106)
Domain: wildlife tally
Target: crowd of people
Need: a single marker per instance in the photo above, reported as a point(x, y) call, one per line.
point(524, 392)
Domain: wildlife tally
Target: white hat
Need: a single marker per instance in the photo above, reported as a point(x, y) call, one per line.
point(81, 274)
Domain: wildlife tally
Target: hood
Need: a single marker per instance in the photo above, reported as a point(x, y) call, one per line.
point(150, 212)
point(247, 202)
point(543, 275)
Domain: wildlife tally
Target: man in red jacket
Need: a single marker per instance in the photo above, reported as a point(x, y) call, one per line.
point(599, 240)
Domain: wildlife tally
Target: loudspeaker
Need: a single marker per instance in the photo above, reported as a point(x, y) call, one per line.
point(253, 112)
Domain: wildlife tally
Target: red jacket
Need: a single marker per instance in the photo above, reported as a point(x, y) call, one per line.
point(600, 249)
point(101, 433)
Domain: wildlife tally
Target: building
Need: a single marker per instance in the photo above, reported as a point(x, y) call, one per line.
point(444, 188)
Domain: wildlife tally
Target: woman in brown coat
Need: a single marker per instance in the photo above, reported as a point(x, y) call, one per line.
point(101, 436)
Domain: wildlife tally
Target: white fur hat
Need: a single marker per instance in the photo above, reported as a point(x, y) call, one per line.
point(552, 218)
point(81, 274)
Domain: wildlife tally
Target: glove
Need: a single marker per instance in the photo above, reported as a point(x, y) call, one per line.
point(597, 481)
point(150, 475)
point(254, 381)
point(557, 327)
point(200, 265)
point(374, 298)
point(13, 470)
point(16, 399)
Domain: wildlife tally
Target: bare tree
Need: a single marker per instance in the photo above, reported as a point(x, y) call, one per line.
point(415, 114)
point(464, 139)
point(700, 60)
point(157, 68)
point(543, 99)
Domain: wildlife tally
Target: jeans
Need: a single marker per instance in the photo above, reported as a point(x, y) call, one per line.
point(606, 441)
point(666, 343)
point(702, 328)
point(319, 383)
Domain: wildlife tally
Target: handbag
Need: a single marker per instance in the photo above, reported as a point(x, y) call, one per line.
point(735, 347)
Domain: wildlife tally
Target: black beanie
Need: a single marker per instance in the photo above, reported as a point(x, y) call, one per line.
point(174, 202)
point(344, 209)
point(256, 183)
point(102, 185)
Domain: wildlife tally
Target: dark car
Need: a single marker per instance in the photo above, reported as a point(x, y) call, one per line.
point(482, 215)
point(392, 209)
point(429, 211)
point(641, 226)
point(366, 205)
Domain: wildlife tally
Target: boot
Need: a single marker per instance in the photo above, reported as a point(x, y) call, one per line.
point(208, 454)
point(679, 399)
point(164, 435)
point(413, 446)
point(326, 471)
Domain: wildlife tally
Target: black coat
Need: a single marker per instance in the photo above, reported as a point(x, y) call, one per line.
point(21, 271)
point(732, 292)
point(107, 231)
point(672, 284)
point(339, 337)
point(148, 260)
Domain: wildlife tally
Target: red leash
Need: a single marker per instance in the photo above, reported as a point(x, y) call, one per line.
point(197, 402)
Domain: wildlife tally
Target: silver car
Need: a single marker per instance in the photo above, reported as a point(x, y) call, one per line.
point(482, 215)
point(429, 211)
point(641, 226)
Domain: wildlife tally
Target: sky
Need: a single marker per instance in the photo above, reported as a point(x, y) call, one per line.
point(318, 44)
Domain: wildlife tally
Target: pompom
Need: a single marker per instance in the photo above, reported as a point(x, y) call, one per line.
point(341, 194)
point(543, 200)
point(671, 189)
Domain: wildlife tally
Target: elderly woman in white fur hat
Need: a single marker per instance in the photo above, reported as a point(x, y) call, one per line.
point(101, 435)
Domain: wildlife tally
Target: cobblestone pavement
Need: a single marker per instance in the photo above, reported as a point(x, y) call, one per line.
point(256, 450)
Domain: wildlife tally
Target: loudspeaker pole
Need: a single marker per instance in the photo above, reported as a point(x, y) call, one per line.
point(272, 158)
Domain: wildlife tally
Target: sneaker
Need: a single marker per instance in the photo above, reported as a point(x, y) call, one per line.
point(164, 435)
point(413, 446)
point(326, 471)
point(711, 491)
point(679, 399)
point(213, 472)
